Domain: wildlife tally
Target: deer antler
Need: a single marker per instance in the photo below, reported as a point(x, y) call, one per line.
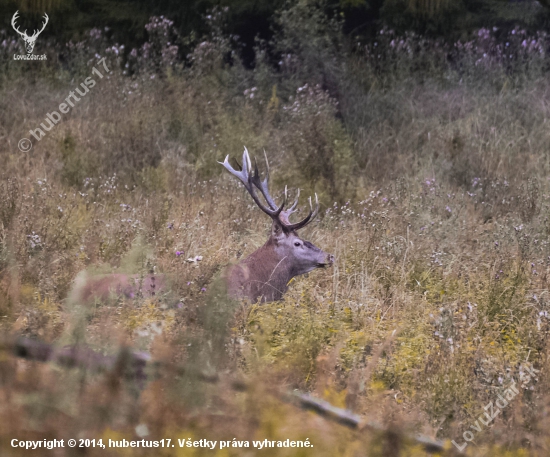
point(38, 32)
point(273, 211)
point(252, 181)
point(16, 28)
point(298, 225)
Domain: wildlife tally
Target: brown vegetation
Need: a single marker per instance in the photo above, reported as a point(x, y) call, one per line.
point(435, 202)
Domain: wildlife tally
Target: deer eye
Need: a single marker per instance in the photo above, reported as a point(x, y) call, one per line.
point(297, 244)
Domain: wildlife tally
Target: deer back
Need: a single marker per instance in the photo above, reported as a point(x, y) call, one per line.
point(88, 288)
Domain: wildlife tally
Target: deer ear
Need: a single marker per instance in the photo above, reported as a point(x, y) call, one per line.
point(277, 230)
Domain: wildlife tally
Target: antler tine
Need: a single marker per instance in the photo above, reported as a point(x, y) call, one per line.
point(242, 175)
point(263, 186)
point(16, 28)
point(246, 159)
point(312, 214)
point(316, 211)
point(291, 209)
point(275, 211)
point(266, 180)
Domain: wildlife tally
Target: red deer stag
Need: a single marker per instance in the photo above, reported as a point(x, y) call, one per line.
point(264, 275)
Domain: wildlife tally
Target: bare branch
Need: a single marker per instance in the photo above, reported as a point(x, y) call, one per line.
point(133, 364)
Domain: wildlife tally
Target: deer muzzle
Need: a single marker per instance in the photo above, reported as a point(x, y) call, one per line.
point(329, 260)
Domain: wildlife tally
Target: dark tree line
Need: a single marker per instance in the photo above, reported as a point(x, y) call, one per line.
point(249, 19)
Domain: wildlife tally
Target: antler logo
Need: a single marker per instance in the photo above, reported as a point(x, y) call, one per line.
point(29, 40)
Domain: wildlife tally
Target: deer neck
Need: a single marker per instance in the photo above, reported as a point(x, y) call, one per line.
point(269, 271)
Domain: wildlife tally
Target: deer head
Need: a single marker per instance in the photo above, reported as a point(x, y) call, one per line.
point(29, 40)
point(266, 272)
